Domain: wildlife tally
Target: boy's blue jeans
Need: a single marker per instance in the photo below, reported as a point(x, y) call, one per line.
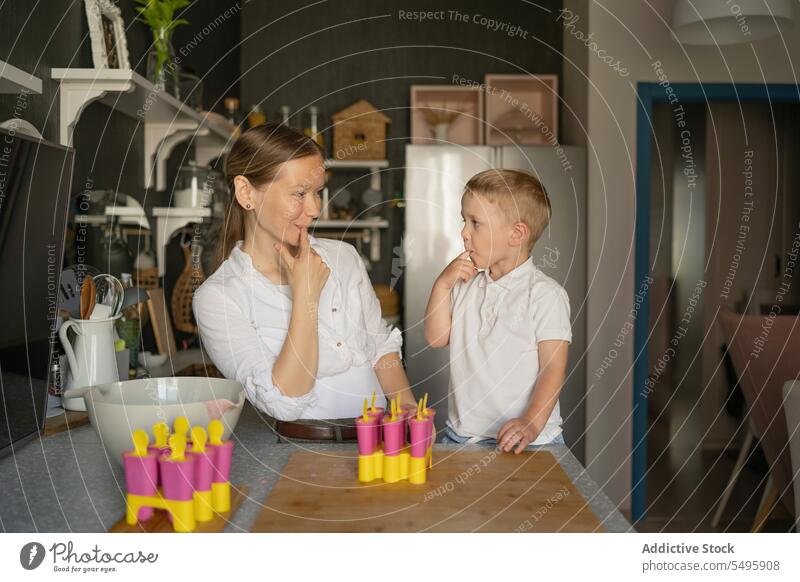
point(451, 437)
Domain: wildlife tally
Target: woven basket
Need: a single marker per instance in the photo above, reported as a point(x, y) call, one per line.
point(190, 279)
point(389, 299)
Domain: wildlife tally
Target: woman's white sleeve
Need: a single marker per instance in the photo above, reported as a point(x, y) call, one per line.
point(234, 346)
point(387, 338)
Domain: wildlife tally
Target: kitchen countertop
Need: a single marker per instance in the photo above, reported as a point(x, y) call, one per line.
point(65, 482)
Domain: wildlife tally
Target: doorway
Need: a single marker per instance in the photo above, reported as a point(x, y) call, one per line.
point(702, 158)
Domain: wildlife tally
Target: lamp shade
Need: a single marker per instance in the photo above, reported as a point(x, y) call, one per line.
point(711, 22)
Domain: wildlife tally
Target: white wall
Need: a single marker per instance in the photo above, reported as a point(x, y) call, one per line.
point(637, 34)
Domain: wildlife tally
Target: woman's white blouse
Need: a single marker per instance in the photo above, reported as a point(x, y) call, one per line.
point(243, 320)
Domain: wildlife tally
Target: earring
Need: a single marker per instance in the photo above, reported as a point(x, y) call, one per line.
point(247, 206)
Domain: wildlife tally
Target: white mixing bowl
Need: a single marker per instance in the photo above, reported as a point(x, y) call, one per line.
point(119, 408)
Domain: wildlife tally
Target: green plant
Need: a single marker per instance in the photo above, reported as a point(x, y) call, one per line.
point(159, 15)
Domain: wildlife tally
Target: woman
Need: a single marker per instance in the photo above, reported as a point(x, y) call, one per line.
point(292, 317)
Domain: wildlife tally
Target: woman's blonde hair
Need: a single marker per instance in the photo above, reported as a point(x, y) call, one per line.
point(257, 155)
point(521, 196)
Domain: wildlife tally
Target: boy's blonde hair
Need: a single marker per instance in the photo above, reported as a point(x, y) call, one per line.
point(521, 196)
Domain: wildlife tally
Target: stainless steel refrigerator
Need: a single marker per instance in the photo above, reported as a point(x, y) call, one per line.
point(434, 181)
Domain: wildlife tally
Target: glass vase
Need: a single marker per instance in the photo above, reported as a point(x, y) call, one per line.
point(162, 68)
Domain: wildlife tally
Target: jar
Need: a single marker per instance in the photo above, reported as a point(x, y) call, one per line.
point(197, 187)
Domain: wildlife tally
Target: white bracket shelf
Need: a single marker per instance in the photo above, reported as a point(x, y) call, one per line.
point(168, 221)
point(370, 232)
point(370, 229)
point(166, 120)
point(374, 167)
point(14, 80)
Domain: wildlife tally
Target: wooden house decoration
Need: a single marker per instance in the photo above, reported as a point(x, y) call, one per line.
point(359, 133)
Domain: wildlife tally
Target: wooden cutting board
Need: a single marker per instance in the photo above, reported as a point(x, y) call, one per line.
point(159, 523)
point(466, 491)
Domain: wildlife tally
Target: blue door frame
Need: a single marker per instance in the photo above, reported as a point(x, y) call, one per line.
point(647, 95)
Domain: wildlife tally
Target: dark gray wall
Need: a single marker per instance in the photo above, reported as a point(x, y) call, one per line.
point(337, 52)
point(39, 36)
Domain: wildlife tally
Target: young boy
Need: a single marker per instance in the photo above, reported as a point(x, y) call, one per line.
point(507, 323)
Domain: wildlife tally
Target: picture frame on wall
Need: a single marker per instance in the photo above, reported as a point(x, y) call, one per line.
point(107, 33)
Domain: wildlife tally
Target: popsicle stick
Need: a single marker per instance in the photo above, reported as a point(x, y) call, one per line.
point(373, 401)
point(161, 433)
point(215, 430)
point(140, 442)
point(181, 425)
point(177, 446)
point(199, 438)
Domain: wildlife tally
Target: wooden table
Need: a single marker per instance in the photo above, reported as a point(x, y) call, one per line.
point(466, 491)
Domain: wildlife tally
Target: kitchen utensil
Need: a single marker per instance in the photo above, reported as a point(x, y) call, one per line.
point(100, 311)
point(109, 293)
point(116, 409)
point(132, 296)
point(70, 288)
point(92, 360)
point(88, 290)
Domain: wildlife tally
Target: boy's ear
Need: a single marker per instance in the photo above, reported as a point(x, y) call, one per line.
point(519, 234)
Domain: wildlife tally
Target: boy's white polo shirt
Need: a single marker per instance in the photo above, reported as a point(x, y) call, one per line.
point(494, 358)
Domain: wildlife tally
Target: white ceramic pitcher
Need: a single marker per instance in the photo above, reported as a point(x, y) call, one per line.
point(92, 359)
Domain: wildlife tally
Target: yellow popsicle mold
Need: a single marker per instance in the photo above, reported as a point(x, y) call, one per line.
point(203, 505)
point(185, 514)
point(394, 468)
point(221, 496)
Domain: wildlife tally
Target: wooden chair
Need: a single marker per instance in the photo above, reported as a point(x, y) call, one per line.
point(192, 362)
point(764, 353)
point(162, 328)
point(791, 405)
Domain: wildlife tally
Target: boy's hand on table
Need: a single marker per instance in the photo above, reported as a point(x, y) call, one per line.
point(516, 434)
point(459, 269)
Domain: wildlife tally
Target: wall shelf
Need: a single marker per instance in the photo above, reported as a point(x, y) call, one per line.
point(464, 129)
point(166, 120)
point(168, 221)
point(14, 80)
point(356, 164)
point(369, 230)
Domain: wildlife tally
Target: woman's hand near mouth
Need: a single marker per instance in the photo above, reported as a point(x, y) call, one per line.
point(306, 273)
point(295, 370)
